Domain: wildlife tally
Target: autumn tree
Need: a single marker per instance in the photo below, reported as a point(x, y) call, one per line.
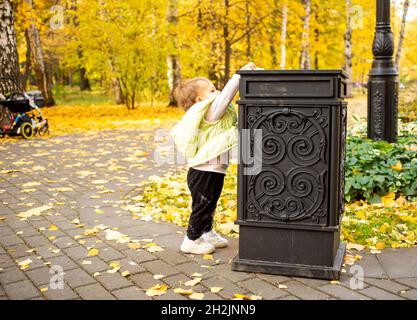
point(9, 60)
point(43, 73)
point(402, 32)
point(173, 61)
point(305, 60)
point(348, 48)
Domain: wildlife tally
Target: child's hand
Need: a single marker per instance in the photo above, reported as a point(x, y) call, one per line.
point(249, 66)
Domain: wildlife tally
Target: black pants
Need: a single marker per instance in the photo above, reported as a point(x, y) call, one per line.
point(205, 188)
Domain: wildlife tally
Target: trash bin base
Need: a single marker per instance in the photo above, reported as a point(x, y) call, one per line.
point(290, 269)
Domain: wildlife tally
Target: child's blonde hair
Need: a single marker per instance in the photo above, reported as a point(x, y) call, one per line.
point(187, 91)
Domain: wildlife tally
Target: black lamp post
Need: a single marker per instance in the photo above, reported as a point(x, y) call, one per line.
point(383, 80)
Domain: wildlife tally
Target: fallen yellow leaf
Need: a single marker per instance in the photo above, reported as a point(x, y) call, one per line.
point(183, 292)
point(193, 282)
point(216, 289)
point(157, 290)
point(197, 296)
point(134, 246)
point(92, 252)
point(125, 273)
point(398, 166)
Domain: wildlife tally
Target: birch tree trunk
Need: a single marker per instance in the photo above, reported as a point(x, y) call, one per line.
point(9, 60)
point(43, 76)
point(274, 29)
point(283, 44)
point(272, 35)
point(305, 62)
point(173, 61)
point(348, 49)
point(227, 43)
point(402, 33)
point(248, 35)
point(25, 75)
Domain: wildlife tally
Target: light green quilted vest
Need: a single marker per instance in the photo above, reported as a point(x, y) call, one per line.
point(201, 141)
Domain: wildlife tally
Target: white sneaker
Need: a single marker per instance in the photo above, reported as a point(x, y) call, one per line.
point(198, 246)
point(215, 239)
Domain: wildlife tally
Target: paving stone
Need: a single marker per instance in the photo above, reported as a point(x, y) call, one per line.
point(17, 225)
point(272, 278)
point(229, 288)
point(27, 232)
point(36, 263)
point(11, 275)
point(76, 253)
point(21, 290)
point(314, 283)
point(9, 240)
point(46, 252)
point(65, 225)
point(289, 297)
point(94, 292)
point(145, 280)
point(77, 278)
point(5, 230)
point(65, 242)
point(304, 292)
point(399, 263)
point(411, 294)
point(262, 288)
point(40, 277)
point(172, 257)
point(60, 294)
point(159, 267)
point(37, 241)
point(371, 267)
point(170, 295)
point(18, 251)
point(110, 253)
point(192, 267)
point(387, 285)
point(410, 282)
point(130, 293)
point(5, 261)
point(63, 261)
point(131, 266)
point(341, 292)
point(97, 265)
point(113, 281)
point(176, 281)
point(225, 270)
point(379, 294)
point(166, 238)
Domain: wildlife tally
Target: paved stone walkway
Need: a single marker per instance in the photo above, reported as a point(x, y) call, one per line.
point(85, 177)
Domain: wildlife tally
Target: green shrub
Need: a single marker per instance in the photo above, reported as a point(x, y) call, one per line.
point(377, 168)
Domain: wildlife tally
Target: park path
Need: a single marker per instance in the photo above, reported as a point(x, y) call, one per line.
point(85, 177)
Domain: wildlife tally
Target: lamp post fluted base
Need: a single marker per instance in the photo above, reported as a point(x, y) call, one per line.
point(383, 108)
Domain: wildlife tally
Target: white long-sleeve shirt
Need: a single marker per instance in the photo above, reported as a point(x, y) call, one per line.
point(215, 113)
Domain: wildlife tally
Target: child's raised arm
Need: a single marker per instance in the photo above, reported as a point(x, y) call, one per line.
point(222, 101)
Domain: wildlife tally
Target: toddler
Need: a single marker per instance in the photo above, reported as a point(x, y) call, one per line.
point(205, 135)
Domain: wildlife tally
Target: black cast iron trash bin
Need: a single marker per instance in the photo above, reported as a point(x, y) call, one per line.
point(289, 211)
